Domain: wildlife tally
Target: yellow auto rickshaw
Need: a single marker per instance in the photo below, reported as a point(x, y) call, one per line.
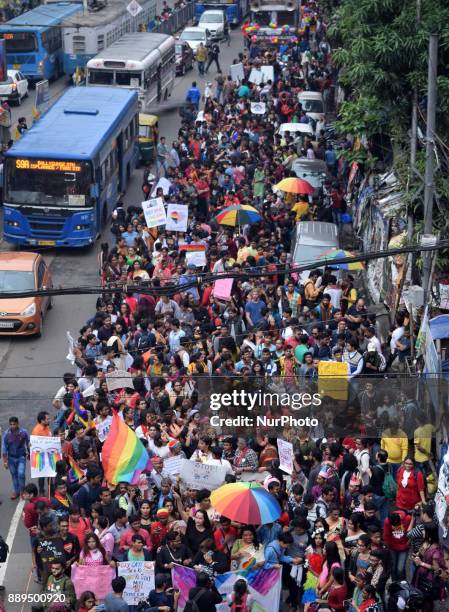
point(148, 135)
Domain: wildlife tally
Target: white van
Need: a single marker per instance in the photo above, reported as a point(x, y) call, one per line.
point(314, 171)
point(310, 240)
point(312, 104)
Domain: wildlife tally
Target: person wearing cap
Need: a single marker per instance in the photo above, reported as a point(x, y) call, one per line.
point(373, 360)
point(159, 528)
point(175, 447)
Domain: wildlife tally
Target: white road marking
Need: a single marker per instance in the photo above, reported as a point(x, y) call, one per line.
point(16, 517)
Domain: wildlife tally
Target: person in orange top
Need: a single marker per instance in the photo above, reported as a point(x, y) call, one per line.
point(42, 428)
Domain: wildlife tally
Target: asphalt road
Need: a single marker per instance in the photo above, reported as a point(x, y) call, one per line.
point(31, 369)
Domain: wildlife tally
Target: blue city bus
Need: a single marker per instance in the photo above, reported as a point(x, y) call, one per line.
point(34, 40)
point(235, 10)
point(63, 177)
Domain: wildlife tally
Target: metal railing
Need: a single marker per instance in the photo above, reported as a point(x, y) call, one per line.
point(177, 20)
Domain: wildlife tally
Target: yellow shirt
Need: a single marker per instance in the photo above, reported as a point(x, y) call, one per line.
point(300, 209)
point(396, 447)
point(423, 438)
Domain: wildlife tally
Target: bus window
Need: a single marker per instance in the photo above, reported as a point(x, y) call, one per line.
point(128, 78)
point(79, 44)
point(20, 42)
point(101, 77)
point(50, 184)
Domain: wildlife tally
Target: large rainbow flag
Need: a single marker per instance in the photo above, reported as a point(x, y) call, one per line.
point(123, 455)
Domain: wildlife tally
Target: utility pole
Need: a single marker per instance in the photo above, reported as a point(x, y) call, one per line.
point(413, 148)
point(430, 145)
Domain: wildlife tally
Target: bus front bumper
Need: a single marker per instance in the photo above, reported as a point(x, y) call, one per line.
point(58, 242)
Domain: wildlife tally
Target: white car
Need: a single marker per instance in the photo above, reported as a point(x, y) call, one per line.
point(215, 22)
point(194, 37)
point(15, 88)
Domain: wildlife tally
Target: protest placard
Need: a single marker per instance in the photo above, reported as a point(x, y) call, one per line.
point(119, 380)
point(237, 72)
point(154, 211)
point(139, 576)
point(222, 288)
point(196, 258)
point(103, 427)
point(333, 379)
point(45, 451)
point(177, 217)
point(173, 464)
point(285, 450)
point(97, 581)
point(89, 391)
point(258, 108)
point(198, 475)
point(268, 73)
point(256, 76)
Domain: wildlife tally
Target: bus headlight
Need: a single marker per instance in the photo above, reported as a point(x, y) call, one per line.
point(40, 66)
point(29, 310)
point(13, 223)
point(80, 227)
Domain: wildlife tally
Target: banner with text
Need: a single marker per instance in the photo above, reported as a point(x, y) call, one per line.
point(202, 476)
point(139, 576)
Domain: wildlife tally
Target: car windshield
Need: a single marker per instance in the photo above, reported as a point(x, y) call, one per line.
point(192, 36)
point(312, 106)
point(211, 19)
point(15, 280)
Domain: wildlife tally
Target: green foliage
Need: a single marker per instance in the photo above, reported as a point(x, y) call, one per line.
point(382, 51)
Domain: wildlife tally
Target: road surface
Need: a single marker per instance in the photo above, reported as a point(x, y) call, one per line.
point(31, 369)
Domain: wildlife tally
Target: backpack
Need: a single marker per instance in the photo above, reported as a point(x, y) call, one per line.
point(389, 486)
point(241, 607)
point(191, 604)
point(146, 341)
point(4, 550)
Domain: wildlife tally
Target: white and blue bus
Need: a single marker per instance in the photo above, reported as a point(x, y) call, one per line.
point(34, 40)
point(63, 176)
point(144, 61)
point(88, 33)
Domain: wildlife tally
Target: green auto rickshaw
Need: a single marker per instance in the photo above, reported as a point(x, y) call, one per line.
point(148, 135)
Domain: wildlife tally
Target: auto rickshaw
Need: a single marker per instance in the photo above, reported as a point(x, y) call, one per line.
point(148, 135)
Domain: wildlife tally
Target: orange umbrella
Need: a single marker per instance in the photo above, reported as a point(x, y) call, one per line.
point(295, 185)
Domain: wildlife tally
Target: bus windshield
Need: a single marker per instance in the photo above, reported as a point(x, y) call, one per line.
point(47, 182)
point(128, 79)
point(101, 77)
point(20, 42)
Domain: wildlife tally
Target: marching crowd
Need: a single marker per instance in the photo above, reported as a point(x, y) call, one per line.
point(357, 510)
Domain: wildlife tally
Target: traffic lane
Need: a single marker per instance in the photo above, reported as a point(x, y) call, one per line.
point(32, 368)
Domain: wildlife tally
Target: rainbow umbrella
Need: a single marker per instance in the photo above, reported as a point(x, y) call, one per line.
point(246, 502)
point(339, 254)
point(295, 185)
point(240, 214)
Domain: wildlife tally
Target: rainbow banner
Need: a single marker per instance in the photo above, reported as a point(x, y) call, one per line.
point(264, 586)
point(123, 455)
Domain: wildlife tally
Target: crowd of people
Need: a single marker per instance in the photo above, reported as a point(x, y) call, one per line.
point(357, 510)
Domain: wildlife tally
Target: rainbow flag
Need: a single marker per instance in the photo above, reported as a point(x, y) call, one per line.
point(123, 455)
point(75, 472)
